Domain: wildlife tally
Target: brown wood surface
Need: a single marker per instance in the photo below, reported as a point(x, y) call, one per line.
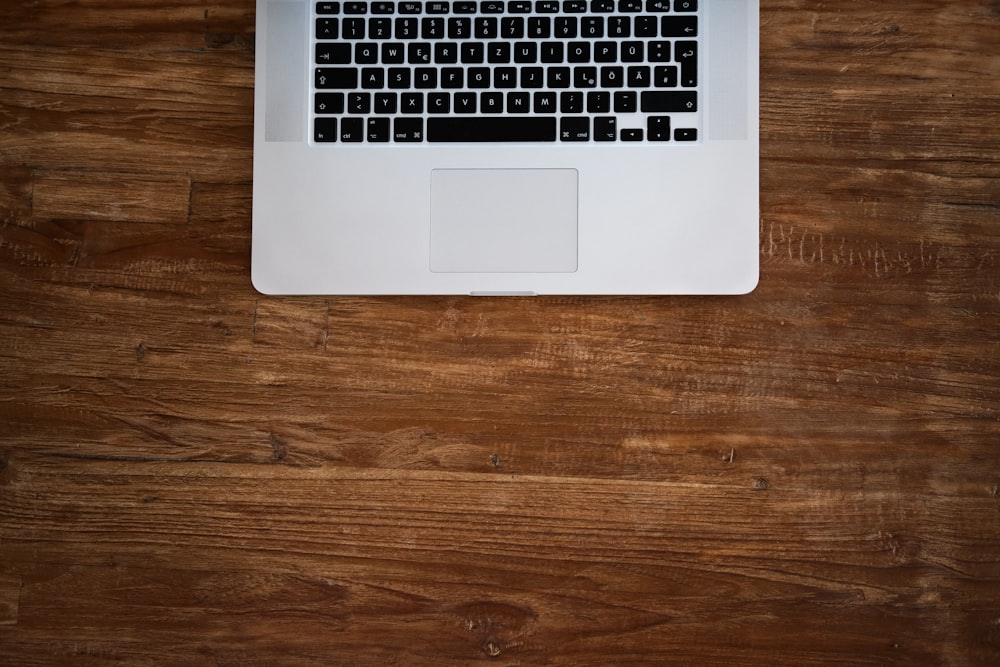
point(192, 473)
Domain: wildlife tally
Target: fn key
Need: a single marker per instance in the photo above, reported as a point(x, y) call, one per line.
point(324, 129)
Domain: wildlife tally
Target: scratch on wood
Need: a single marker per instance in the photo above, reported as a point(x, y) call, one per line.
point(128, 459)
point(253, 322)
point(279, 450)
point(10, 598)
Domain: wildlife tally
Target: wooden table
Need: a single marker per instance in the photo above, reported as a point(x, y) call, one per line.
point(192, 473)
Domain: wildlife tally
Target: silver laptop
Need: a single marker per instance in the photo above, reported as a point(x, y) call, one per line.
point(506, 147)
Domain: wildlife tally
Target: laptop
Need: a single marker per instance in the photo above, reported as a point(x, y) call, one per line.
point(506, 147)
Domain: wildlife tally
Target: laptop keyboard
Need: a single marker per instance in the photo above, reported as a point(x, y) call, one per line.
point(613, 71)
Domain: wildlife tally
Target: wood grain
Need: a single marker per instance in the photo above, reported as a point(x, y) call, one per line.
point(192, 473)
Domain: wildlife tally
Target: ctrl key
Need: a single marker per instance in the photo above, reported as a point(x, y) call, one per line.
point(324, 130)
point(352, 130)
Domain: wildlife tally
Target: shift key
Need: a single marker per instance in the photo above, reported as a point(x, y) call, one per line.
point(669, 101)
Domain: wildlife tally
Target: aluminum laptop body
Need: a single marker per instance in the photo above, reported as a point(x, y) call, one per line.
point(401, 148)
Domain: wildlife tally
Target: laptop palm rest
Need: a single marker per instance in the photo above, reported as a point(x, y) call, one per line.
point(503, 220)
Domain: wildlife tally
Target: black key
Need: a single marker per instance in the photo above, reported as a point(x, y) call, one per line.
point(419, 53)
point(336, 77)
point(333, 54)
point(373, 78)
point(324, 129)
point(465, 103)
point(532, 77)
point(425, 77)
point(602, 6)
point(438, 103)
point(408, 130)
point(566, 27)
point(684, 134)
point(355, 7)
point(491, 103)
point(592, 26)
point(365, 53)
point(383, 8)
point(547, 6)
point(630, 5)
point(558, 77)
point(665, 76)
point(479, 77)
point(574, 129)
point(378, 130)
point(585, 77)
point(519, 6)
point(631, 135)
point(407, 28)
point(518, 102)
point(575, 6)
point(411, 103)
point(380, 28)
point(452, 77)
point(498, 53)
point(327, 28)
point(459, 28)
point(512, 27)
point(598, 101)
point(571, 101)
point(686, 6)
point(605, 52)
point(410, 7)
point(686, 53)
point(625, 102)
point(578, 52)
point(446, 53)
point(633, 52)
point(432, 27)
point(437, 7)
point(386, 103)
point(393, 53)
point(352, 130)
point(552, 52)
point(658, 128)
point(359, 103)
point(657, 5)
point(545, 102)
point(505, 77)
point(463, 7)
point(645, 26)
point(526, 52)
point(329, 103)
point(539, 27)
point(612, 77)
point(491, 7)
point(665, 101)
point(327, 7)
point(399, 78)
point(354, 28)
point(679, 26)
point(605, 128)
point(619, 26)
point(638, 76)
point(473, 53)
point(498, 128)
point(659, 52)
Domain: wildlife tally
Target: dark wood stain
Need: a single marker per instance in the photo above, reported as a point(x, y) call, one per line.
point(191, 473)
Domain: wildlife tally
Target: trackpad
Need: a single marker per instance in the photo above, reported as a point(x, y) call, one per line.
point(503, 220)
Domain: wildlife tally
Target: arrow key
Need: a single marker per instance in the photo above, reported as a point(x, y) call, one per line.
point(679, 26)
point(329, 103)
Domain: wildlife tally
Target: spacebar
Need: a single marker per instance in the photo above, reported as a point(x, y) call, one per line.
point(501, 128)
